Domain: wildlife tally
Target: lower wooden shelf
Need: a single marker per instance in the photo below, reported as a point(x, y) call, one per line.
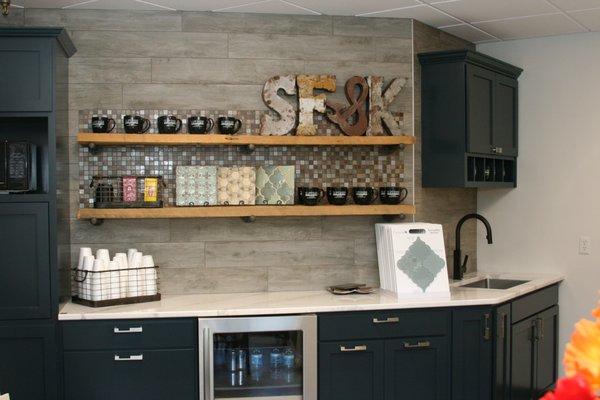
point(244, 211)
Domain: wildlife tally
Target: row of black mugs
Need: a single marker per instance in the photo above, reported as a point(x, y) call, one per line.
point(310, 196)
point(167, 124)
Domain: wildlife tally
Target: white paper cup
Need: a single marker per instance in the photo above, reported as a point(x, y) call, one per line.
point(147, 261)
point(121, 258)
point(84, 289)
point(83, 252)
point(104, 255)
point(114, 280)
point(130, 253)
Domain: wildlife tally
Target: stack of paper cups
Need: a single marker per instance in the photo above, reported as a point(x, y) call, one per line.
point(114, 277)
point(96, 280)
point(104, 256)
point(134, 277)
point(83, 252)
point(121, 259)
point(150, 288)
point(86, 285)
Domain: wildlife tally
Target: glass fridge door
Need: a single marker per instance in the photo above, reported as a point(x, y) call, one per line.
point(270, 358)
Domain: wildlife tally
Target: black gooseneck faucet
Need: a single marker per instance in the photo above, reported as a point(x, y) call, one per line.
point(461, 268)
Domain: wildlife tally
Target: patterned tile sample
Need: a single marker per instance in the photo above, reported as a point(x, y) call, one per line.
point(196, 186)
point(275, 184)
point(236, 185)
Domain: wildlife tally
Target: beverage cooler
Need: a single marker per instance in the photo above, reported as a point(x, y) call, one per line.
point(267, 358)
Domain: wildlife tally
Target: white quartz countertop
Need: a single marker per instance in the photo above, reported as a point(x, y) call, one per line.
point(273, 303)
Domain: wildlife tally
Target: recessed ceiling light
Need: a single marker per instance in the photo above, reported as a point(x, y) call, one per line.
point(80, 4)
point(155, 5)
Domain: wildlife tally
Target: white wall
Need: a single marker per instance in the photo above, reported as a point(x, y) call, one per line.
point(537, 226)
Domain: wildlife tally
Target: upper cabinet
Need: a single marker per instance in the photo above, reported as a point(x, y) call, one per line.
point(469, 120)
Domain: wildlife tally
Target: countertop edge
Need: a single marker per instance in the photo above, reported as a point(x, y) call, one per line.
point(460, 298)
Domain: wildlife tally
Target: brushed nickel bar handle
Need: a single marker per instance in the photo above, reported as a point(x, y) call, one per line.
point(355, 348)
point(139, 357)
point(135, 329)
point(389, 320)
point(418, 345)
point(487, 331)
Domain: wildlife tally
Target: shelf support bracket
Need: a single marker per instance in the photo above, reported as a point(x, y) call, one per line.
point(249, 219)
point(96, 221)
point(390, 218)
point(248, 148)
point(92, 147)
point(387, 150)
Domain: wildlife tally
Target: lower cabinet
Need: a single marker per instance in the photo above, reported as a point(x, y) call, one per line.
point(397, 365)
point(28, 361)
point(131, 359)
point(132, 374)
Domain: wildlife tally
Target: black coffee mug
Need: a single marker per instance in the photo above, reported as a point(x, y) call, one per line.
point(364, 195)
point(168, 124)
point(337, 195)
point(136, 124)
point(310, 196)
point(103, 124)
point(392, 194)
point(229, 125)
point(200, 124)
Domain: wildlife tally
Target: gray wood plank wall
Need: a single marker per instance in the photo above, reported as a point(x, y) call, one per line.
point(147, 59)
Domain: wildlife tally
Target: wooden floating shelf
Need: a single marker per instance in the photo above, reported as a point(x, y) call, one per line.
point(180, 139)
point(243, 211)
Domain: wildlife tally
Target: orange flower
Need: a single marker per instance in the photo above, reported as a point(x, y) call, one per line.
point(582, 355)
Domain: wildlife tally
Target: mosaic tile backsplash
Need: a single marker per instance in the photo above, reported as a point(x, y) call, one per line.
point(315, 166)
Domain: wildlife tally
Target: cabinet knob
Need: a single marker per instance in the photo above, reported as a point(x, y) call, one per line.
point(418, 345)
point(487, 331)
point(355, 348)
point(389, 320)
point(135, 329)
point(138, 357)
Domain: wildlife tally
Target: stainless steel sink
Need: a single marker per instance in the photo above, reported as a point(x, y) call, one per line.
point(492, 283)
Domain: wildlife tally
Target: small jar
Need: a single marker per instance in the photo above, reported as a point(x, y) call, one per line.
point(289, 358)
point(276, 358)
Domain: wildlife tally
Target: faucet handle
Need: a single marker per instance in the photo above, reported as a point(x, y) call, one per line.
point(463, 267)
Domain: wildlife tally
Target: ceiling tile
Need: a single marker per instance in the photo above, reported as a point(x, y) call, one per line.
point(542, 25)
point(421, 13)
point(469, 33)
point(114, 5)
point(569, 5)
point(485, 10)
point(200, 5)
point(352, 7)
point(270, 7)
point(46, 3)
point(588, 18)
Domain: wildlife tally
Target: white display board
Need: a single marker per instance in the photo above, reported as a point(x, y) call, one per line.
point(412, 259)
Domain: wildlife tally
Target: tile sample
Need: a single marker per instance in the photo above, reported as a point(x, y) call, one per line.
point(196, 186)
point(236, 186)
point(275, 184)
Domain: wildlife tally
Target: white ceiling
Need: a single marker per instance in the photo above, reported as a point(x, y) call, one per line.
point(475, 20)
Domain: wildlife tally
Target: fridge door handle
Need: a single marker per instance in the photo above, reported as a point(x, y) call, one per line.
point(206, 365)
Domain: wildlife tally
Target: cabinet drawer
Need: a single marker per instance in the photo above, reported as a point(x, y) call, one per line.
point(131, 374)
point(383, 324)
point(533, 303)
point(130, 334)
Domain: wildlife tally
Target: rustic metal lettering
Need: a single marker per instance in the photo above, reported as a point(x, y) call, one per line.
point(379, 102)
point(286, 111)
point(352, 119)
point(310, 102)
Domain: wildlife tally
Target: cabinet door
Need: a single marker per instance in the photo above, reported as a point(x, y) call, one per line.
point(547, 350)
point(522, 360)
point(501, 382)
point(351, 370)
point(480, 109)
point(417, 368)
point(132, 374)
point(505, 137)
point(24, 261)
point(28, 362)
point(25, 74)
point(472, 353)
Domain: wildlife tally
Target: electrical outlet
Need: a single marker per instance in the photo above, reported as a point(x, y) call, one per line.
point(585, 245)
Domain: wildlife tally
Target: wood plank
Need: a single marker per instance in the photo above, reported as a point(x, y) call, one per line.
point(116, 139)
point(243, 211)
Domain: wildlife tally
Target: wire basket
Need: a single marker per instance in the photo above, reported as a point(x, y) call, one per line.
point(127, 191)
point(114, 287)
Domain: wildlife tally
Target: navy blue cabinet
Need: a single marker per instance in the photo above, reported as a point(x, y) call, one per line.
point(472, 353)
point(502, 346)
point(384, 355)
point(24, 261)
point(351, 370)
point(28, 361)
point(131, 359)
point(469, 120)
